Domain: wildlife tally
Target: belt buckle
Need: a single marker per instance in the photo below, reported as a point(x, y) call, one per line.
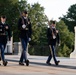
point(26, 29)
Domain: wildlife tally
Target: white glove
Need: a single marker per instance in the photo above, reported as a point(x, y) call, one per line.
point(6, 27)
point(54, 36)
point(23, 26)
point(59, 44)
point(57, 31)
point(29, 39)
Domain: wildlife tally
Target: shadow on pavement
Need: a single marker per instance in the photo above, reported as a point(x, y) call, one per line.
point(44, 64)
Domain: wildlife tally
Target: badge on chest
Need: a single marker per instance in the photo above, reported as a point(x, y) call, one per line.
point(1, 28)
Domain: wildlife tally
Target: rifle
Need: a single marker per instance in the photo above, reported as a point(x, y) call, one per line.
point(21, 15)
point(23, 19)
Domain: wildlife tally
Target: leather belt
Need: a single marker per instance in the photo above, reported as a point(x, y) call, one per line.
point(26, 28)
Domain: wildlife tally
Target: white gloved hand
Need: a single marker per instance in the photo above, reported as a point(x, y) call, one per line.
point(23, 26)
point(59, 44)
point(29, 39)
point(57, 31)
point(6, 27)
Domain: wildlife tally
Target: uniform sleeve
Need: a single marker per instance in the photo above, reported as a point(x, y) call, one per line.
point(30, 28)
point(58, 38)
point(9, 32)
point(20, 24)
point(49, 33)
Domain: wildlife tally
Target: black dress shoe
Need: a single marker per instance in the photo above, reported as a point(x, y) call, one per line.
point(27, 62)
point(57, 63)
point(48, 63)
point(21, 63)
point(5, 63)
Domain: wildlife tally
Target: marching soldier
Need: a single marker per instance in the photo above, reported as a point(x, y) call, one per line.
point(53, 37)
point(5, 35)
point(24, 26)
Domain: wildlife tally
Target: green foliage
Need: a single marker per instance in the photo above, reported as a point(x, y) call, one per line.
point(9, 9)
point(39, 27)
point(38, 19)
point(70, 18)
point(39, 50)
point(66, 39)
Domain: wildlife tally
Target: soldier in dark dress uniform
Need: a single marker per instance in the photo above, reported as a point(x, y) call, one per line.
point(53, 38)
point(24, 26)
point(4, 35)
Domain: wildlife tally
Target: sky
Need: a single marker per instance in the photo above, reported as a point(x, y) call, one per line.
point(54, 8)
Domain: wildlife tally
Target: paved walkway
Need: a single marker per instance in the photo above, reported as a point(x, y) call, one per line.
point(38, 66)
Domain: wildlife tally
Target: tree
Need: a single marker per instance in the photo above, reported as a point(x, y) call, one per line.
point(70, 18)
point(38, 19)
point(8, 8)
point(66, 39)
point(36, 13)
point(14, 1)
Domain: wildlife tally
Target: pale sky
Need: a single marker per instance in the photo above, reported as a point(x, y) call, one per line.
point(54, 8)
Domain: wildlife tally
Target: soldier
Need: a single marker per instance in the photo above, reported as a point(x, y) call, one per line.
point(24, 26)
point(5, 35)
point(53, 37)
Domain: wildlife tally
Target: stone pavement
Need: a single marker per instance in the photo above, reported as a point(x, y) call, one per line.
point(38, 66)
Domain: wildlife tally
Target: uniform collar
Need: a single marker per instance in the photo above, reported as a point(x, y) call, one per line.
point(25, 17)
point(3, 22)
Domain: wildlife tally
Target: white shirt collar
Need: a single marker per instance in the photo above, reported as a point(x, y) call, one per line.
point(3, 22)
point(25, 17)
